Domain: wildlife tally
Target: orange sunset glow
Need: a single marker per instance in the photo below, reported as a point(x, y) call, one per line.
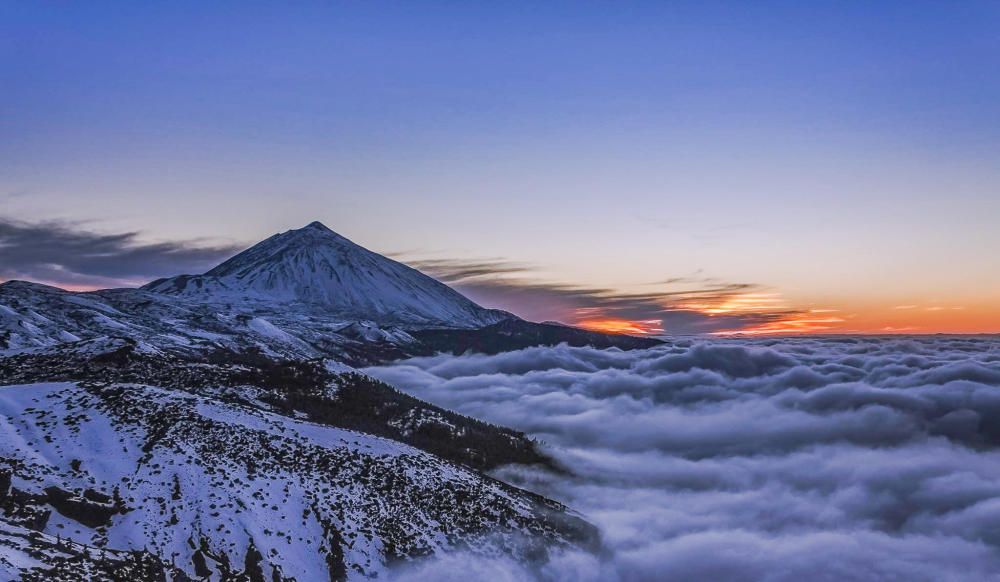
point(737, 303)
point(622, 326)
point(769, 313)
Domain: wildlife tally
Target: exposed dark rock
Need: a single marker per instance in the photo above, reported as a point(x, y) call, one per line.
point(5, 475)
point(85, 509)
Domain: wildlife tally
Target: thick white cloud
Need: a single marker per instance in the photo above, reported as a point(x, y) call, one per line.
point(826, 459)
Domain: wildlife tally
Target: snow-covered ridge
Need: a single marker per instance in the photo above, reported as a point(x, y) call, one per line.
point(212, 486)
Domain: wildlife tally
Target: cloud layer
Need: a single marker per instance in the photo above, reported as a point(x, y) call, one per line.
point(69, 255)
point(826, 459)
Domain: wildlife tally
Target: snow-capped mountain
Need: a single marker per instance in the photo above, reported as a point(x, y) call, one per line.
point(212, 427)
point(317, 267)
point(303, 293)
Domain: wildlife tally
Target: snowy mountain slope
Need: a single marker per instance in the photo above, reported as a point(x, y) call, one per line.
point(317, 267)
point(28, 555)
point(204, 483)
point(36, 316)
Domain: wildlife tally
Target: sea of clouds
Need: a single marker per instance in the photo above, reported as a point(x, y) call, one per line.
point(727, 459)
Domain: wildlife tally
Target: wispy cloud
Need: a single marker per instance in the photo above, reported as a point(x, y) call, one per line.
point(678, 305)
point(71, 255)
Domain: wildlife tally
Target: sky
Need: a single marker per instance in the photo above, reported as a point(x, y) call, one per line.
point(648, 167)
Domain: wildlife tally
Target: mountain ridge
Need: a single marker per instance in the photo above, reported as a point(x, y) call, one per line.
point(303, 293)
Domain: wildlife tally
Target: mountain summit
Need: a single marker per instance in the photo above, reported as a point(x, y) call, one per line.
point(317, 267)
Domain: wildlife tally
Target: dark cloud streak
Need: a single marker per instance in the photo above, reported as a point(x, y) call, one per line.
point(61, 253)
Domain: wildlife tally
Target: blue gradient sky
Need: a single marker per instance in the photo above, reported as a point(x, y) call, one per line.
point(841, 155)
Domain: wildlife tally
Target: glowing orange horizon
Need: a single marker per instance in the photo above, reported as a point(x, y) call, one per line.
point(793, 324)
point(776, 316)
point(622, 326)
